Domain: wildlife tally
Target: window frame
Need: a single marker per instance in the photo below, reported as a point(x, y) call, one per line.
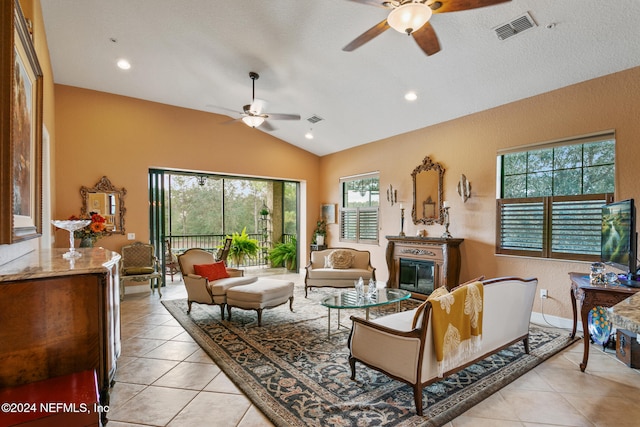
point(540, 210)
point(360, 214)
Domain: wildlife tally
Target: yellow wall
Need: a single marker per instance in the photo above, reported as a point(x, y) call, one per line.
point(469, 145)
point(120, 137)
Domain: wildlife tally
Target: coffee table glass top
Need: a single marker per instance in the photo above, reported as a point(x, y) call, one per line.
point(350, 299)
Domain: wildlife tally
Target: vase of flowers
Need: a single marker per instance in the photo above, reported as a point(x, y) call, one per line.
point(320, 232)
point(96, 229)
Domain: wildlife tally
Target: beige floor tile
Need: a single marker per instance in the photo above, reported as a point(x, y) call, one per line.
point(184, 336)
point(607, 412)
point(585, 383)
point(138, 347)
point(543, 406)
point(254, 418)
point(205, 408)
point(465, 421)
point(144, 371)
point(122, 392)
point(194, 376)
point(199, 356)
point(173, 350)
point(162, 332)
point(529, 381)
point(222, 384)
point(493, 407)
point(154, 406)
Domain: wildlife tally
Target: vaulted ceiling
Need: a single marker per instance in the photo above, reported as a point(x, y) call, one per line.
point(198, 54)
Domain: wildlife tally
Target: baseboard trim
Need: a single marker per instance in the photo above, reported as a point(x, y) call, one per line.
point(555, 321)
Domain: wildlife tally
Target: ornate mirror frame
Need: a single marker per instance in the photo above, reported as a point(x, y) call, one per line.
point(105, 187)
point(423, 199)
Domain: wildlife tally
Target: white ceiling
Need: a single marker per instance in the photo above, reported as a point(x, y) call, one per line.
point(198, 53)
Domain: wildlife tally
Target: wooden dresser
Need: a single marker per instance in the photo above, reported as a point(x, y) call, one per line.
point(59, 317)
point(421, 264)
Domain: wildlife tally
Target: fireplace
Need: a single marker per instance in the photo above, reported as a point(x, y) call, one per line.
point(416, 275)
point(421, 264)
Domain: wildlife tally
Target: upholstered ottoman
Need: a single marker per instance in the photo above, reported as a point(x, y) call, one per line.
point(261, 294)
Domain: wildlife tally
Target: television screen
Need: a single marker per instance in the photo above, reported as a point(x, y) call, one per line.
point(618, 243)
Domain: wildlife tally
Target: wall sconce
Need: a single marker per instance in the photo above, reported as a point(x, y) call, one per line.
point(392, 195)
point(464, 188)
point(201, 180)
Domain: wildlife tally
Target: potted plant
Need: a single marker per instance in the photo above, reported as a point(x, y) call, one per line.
point(242, 246)
point(320, 232)
point(284, 254)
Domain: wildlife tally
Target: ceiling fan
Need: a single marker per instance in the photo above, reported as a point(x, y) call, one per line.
point(253, 114)
point(412, 18)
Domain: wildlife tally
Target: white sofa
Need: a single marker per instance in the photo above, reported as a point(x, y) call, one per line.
point(320, 272)
point(389, 344)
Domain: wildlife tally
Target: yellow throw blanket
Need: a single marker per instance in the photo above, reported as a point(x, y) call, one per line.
point(456, 324)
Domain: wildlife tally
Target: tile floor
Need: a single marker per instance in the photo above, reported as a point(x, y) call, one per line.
point(165, 379)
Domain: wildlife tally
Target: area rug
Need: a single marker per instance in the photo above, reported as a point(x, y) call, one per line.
point(298, 376)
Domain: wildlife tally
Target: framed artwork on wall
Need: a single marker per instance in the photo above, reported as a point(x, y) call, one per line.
point(328, 213)
point(21, 129)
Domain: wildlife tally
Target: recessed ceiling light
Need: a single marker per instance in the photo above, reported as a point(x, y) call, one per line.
point(410, 96)
point(123, 64)
point(308, 135)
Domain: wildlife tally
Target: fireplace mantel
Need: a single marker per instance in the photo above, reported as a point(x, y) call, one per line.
point(442, 253)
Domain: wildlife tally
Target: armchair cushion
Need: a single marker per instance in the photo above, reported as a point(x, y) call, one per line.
point(214, 271)
point(137, 270)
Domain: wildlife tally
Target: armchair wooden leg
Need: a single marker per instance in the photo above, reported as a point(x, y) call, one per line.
point(291, 304)
point(259, 310)
point(189, 306)
point(222, 312)
point(417, 397)
point(526, 344)
point(352, 363)
point(228, 312)
point(305, 290)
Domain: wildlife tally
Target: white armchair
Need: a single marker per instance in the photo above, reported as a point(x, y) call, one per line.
point(202, 290)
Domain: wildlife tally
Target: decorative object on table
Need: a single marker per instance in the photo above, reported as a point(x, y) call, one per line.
point(599, 326)
point(359, 285)
point(445, 207)
point(596, 276)
point(392, 195)
point(401, 221)
point(372, 290)
point(97, 228)
point(464, 188)
point(71, 226)
point(611, 278)
point(320, 232)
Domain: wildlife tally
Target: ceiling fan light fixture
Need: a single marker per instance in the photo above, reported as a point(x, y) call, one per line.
point(253, 121)
point(409, 17)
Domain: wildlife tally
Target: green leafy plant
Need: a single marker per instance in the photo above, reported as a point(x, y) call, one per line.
point(242, 246)
point(284, 253)
point(321, 228)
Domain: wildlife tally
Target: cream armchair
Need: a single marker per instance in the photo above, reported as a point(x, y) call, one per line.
point(394, 346)
point(202, 290)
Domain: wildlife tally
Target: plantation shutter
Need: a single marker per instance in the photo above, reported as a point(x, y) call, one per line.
point(521, 227)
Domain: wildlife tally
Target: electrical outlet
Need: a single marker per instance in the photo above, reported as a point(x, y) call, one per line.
point(543, 293)
point(131, 236)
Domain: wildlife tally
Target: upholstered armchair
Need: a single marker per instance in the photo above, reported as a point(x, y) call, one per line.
point(208, 280)
point(138, 263)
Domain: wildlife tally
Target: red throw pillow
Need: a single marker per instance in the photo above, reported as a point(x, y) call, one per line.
point(214, 271)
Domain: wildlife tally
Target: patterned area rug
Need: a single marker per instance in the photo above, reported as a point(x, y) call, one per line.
point(298, 376)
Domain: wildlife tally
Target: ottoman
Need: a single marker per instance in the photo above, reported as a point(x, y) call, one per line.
point(259, 295)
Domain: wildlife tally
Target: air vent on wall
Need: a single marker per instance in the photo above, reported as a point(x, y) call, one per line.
point(314, 119)
point(516, 26)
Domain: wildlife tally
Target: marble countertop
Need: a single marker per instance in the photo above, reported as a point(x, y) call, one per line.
point(50, 263)
point(626, 314)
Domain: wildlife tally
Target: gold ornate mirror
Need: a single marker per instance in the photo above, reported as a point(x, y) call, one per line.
point(427, 193)
point(106, 200)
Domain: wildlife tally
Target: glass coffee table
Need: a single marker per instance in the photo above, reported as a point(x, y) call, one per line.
point(350, 299)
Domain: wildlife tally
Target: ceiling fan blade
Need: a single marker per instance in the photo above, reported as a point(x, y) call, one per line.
point(372, 32)
point(229, 122)
point(376, 3)
point(281, 116)
point(266, 126)
point(427, 39)
point(443, 6)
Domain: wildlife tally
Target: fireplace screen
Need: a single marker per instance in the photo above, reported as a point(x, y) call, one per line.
point(416, 275)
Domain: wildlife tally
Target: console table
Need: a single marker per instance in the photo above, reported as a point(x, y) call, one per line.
point(60, 317)
point(440, 256)
point(589, 296)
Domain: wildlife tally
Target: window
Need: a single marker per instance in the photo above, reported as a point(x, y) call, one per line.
point(359, 209)
point(551, 197)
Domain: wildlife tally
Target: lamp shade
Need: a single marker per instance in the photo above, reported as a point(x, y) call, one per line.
point(253, 121)
point(409, 17)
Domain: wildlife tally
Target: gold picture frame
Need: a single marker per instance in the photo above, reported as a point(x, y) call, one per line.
point(21, 129)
